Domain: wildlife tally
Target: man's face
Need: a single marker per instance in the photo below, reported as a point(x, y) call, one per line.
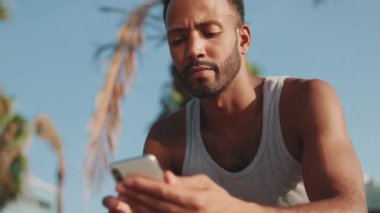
point(203, 43)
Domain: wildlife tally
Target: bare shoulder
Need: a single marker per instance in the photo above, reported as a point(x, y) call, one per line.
point(300, 100)
point(330, 165)
point(314, 103)
point(167, 139)
point(305, 89)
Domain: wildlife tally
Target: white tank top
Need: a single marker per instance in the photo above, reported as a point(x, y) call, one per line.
point(273, 177)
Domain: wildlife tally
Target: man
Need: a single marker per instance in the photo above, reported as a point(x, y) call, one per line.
point(243, 145)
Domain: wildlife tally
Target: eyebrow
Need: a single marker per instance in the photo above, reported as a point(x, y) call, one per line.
point(200, 25)
point(175, 30)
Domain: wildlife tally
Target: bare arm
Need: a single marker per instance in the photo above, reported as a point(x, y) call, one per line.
point(332, 173)
point(166, 140)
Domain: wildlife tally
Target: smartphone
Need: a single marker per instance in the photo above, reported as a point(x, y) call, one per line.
point(146, 165)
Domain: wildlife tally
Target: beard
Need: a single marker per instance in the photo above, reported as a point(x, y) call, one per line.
point(224, 75)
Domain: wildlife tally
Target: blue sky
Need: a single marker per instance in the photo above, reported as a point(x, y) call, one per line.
point(47, 65)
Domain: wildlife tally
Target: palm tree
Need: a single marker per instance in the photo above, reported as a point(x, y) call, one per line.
point(14, 132)
point(46, 130)
point(13, 137)
point(106, 119)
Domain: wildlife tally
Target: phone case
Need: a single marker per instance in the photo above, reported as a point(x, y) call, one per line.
point(146, 165)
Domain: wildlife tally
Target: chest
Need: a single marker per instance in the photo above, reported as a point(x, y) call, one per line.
point(234, 149)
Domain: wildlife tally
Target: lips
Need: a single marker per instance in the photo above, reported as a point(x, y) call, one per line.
point(198, 72)
point(198, 69)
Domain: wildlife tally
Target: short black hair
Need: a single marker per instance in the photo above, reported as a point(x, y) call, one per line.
point(238, 6)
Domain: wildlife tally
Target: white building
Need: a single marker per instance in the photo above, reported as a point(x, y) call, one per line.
point(38, 197)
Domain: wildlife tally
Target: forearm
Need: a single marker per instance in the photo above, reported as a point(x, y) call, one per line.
point(337, 204)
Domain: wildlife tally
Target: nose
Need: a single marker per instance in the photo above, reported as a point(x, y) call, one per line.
point(195, 47)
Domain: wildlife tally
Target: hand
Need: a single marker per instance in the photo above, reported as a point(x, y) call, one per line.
point(176, 194)
point(115, 205)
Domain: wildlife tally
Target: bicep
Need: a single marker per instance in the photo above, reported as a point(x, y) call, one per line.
point(329, 162)
point(154, 146)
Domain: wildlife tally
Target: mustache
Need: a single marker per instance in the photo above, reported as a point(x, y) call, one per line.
point(197, 63)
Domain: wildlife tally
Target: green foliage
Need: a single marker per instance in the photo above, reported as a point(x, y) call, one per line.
point(3, 11)
point(12, 181)
point(253, 69)
point(13, 135)
point(5, 109)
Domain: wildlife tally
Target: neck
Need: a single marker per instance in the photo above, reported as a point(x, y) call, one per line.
point(234, 106)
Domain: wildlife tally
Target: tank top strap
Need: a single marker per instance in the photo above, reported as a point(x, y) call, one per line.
point(275, 144)
point(192, 127)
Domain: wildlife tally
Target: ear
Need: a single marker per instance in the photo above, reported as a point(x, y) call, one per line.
point(244, 38)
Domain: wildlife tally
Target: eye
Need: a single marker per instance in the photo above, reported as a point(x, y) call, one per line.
point(177, 40)
point(210, 30)
point(211, 34)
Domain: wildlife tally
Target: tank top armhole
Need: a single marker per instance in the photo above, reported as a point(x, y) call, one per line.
point(189, 128)
point(279, 88)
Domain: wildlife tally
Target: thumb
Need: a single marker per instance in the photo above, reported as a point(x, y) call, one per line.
point(170, 177)
point(114, 204)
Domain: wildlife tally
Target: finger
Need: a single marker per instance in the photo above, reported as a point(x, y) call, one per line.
point(188, 197)
point(199, 181)
point(169, 177)
point(120, 188)
point(135, 205)
point(148, 203)
point(115, 205)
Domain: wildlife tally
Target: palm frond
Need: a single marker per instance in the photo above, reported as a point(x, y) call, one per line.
point(107, 9)
point(318, 2)
point(105, 121)
point(47, 131)
point(104, 48)
point(45, 128)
